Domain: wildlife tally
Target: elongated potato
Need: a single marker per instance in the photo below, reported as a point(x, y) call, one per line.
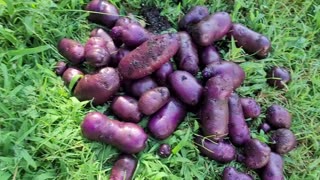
point(230, 173)
point(209, 55)
point(71, 50)
point(193, 16)
point(126, 108)
point(250, 41)
point(274, 169)
point(149, 56)
point(164, 122)
point(223, 151)
point(107, 14)
point(257, 154)
point(239, 132)
point(123, 168)
point(127, 137)
point(284, 141)
point(186, 87)
point(162, 74)
point(100, 86)
point(152, 100)
point(211, 28)
point(187, 55)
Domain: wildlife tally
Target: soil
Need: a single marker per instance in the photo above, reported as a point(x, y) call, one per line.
point(155, 22)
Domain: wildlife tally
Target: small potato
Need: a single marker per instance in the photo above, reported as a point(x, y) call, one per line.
point(164, 150)
point(123, 168)
point(111, 47)
point(278, 117)
point(96, 52)
point(274, 169)
point(186, 87)
point(230, 173)
point(212, 28)
point(251, 109)
point(149, 56)
point(194, 15)
point(278, 77)
point(128, 137)
point(251, 42)
point(265, 127)
point(71, 50)
point(222, 151)
point(70, 73)
point(60, 68)
point(187, 55)
point(106, 13)
point(140, 86)
point(257, 154)
point(154, 99)
point(100, 86)
point(284, 140)
point(126, 108)
point(165, 121)
point(208, 55)
point(162, 74)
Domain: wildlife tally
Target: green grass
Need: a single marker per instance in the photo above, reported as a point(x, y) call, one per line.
point(40, 136)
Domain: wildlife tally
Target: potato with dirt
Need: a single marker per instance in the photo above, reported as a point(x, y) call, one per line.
point(230, 173)
point(99, 87)
point(193, 16)
point(71, 50)
point(283, 141)
point(126, 108)
point(278, 117)
point(103, 13)
point(149, 56)
point(124, 167)
point(128, 137)
point(257, 154)
point(151, 101)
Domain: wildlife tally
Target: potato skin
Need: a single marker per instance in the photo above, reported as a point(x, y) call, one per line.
point(251, 109)
point(96, 52)
point(274, 169)
point(70, 73)
point(284, 140)
point(208, 55)
point(152, 100)
point(250, 41)
point(187, 55)
point(108, 19)
point(127, 137)
point(278, 77)
point(164, 150)
point(140, 86)
point(186, 87)
point(211, 28)
point(194, 15)
point(239, 132)
point(278, 117)
point(222, 152)
point(257, 154)
point(60, 68)
point(123, 168)
point(164, 122)
point(100, 86)
point(149, 56)
point(162, 74)
point(126, 108)
point(214, 118)
point(71, 50)
point(230, 173)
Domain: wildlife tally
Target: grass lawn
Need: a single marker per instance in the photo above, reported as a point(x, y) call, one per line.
point(40, 135)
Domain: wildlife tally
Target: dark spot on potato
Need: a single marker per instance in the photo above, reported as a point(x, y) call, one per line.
point(183, 78)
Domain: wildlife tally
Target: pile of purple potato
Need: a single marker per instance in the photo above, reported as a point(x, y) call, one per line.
point(146, 74)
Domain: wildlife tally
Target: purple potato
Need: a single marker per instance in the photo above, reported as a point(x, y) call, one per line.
point(69, 74)
point(124, 167)
point(222, 151)
point(251, 109)
point(284, 141)
point(111, 47)
point(212, 28)
point(239, 132)
point(278, 77)
point(104, 13)
point(96, 52)
point(230, 173)
point(208, 55)
point(165, 121)
point(250, 41)
point(218, 87)
point(187, 55)
point(140, 86)
point(127, 137)
point(265, 127)
point(60, 68)
point(162, 74)
point(225, 68)
point(124, 21)
point(193, 16)
point(164, 150)
point(71, 50)
point(274, 169)
point(186, 87)
point(100, 86)
point(278, 117)
point(122, 52)
point(126, 108)
point(151, 101)
point(257, 154)
point(214, 118)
